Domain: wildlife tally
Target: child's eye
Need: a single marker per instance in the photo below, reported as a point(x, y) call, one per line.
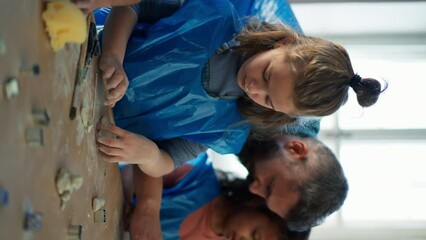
point(268, 101)
point(265, 74)
point(265, 78)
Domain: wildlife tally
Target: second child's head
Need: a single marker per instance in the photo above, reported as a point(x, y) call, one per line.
point(288, 75)
point(249, 217)
point(249, 222)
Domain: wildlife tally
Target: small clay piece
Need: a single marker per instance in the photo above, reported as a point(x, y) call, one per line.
point(100, 216)
point(34, 137)
point(4, 197)
point(86, 118)
point(66, 196)
point(63, 180)
point(97, 204)
point(66, 184)
point(74, 232)
point(32, 221)
point(104, 121)
point(11, 87)
point(63, 186)
point(41, 117)
point(76, 182)
point(3, 47)
point(63, 205)
point(33, 70)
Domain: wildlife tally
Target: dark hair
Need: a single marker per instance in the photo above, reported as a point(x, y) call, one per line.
point(323, 72)
point(237, 192)
point(322, 193)
point(258, 149)
point(367, 91)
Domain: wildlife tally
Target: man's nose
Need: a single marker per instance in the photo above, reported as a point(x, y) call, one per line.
point(255, 188)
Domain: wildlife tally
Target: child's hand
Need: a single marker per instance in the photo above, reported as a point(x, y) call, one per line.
point(127, 147)
point(145, 224)
point(117, 81)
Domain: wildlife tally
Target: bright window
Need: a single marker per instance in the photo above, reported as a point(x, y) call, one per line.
point(383, 152)
point(387, 180)
point(402, 105)
point(382, 148)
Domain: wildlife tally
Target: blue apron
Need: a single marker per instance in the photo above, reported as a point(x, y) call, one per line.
point(165, 98)
point(268, 10)
point(164, 62)
point(196, 189)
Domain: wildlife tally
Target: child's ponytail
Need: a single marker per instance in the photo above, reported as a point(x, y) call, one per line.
point(366, 89)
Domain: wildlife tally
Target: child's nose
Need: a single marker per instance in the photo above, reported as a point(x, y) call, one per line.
point(257, 87)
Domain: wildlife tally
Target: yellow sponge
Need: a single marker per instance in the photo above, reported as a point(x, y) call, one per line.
point(65, 23)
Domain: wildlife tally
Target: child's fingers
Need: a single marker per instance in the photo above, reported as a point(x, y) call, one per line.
point(107, 70)
point(116, 79)
point(110, 103)
point(110, 142)
point(119, 91)
point(110, 159)
point(113, 129)
point(115, 95)
point(110, 151)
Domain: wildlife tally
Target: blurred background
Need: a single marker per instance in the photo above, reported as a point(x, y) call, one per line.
point(381, 148)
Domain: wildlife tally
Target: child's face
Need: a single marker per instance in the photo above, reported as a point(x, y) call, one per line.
point(251, 224)
point(268, 81)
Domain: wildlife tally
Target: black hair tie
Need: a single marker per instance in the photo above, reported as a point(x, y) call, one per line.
point(355, 80)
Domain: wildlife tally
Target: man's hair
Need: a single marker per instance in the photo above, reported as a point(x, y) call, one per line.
point(320, 194)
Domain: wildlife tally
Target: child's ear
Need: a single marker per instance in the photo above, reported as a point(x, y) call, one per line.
point(296, 148)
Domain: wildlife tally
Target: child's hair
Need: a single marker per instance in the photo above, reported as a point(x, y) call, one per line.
point(323, 73)
point(236, 191)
